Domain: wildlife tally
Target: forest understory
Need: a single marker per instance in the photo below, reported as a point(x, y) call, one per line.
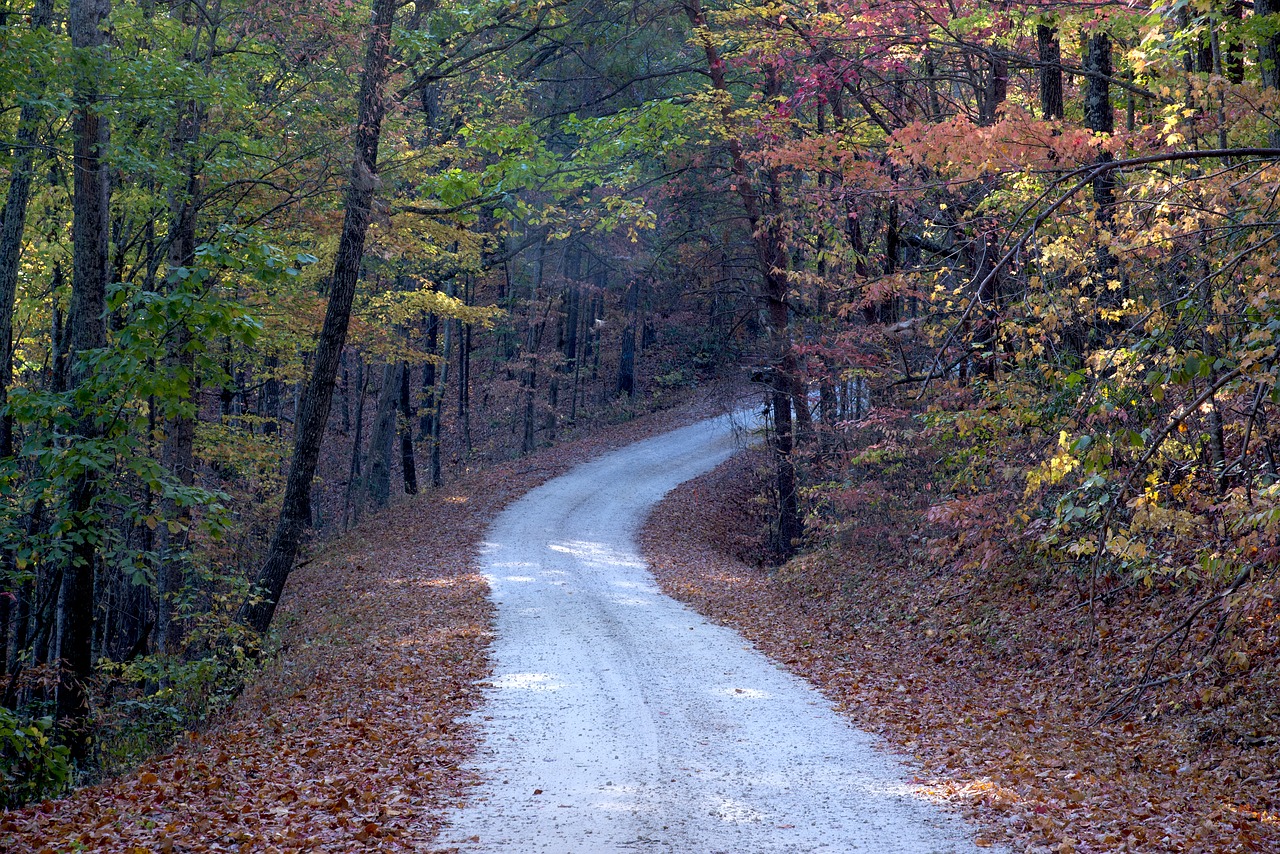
point(994, 681)
point(350, 739)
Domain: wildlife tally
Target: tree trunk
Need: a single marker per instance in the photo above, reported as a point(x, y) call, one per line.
point(440, 388)
point(313, 412)
point(770, 248)
point(627, 361)
point(1269, 59)
point(378, 461)
point(1050, 72)
point(464, 387)
point(1099, 118)
point(1098, 115)
point(87, 331)
point(178, 451)
point(529, 437)
point(995, 89)
point(353, 500)
point(407, 463)
point(429, 379)
point(12, 222)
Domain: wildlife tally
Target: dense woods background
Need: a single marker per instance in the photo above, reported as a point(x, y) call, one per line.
point(1008, 266)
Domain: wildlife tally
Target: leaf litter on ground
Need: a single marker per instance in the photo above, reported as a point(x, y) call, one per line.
point(985, 681)
point(354, 737)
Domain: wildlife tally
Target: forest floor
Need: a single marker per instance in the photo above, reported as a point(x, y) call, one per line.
point(985, 679)
point(347, 741)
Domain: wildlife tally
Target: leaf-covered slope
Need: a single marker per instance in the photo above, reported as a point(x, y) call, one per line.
point(985, 679)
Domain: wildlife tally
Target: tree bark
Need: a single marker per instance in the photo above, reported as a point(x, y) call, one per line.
point(627, 360)
point(12, 222)
point(178, 451)
point(995, 88)
point(429, 379)
point(771, 254)
point(1100, 118)
point(378, 463)
point(87, 332)
point(1050, 72)
point(354, 493)
point(313, 411)
point(1269, 60)
point(408, 465)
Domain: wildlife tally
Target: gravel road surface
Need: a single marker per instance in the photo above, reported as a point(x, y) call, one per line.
point(618, 720)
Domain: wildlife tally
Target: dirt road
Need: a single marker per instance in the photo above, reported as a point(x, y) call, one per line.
point(618, 720)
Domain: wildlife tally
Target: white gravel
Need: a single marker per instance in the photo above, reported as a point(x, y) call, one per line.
point(618, 719)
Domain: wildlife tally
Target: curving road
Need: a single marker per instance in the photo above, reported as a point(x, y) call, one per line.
point(618, 720)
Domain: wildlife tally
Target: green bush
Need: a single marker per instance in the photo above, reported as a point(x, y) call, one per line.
point(31, 765)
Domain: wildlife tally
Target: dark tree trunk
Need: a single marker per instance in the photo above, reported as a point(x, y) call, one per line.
point(1050, 72)
point(1269, 59)
point(355, 492)
point(12, 222)
point(346, 397)
point(408, 465)
point(771, 254)
point(429, 379)
point(1233, 62)
point(269, 399)
point(995, 89)
point(378, 462)
point(1100, 118)
point(313, 412)
point(627, 361)
point(1098, 115)
point(178, 451)
point(529, 437)
point(464, 386)
point(87, 331)
point(441, 387)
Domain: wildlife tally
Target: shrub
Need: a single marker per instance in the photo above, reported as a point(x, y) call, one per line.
point(31, 765)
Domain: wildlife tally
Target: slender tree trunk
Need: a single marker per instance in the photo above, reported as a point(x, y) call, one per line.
point(87, 331)
point(1100, 118)
point(12, 222)
point(464, 386)
point(1233, 61)
point(313, 413)
point(771, 253)
point(346, 395)
point(996, 88)
point(378, 463)
point(529, 436)
point(429, 378)
point(408, 465)
point(627, 360)
point(178, 450)
point(353, 501)
point(441, 388)
point(269, 398)
point(1050, 72)
point(1098, 115)
point(1269, 61)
